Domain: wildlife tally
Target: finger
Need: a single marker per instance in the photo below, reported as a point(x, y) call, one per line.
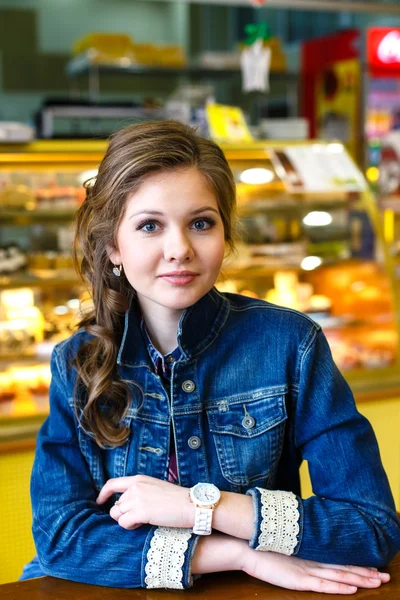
point(128, 521)
point(124, 506)
point(363, 571)
point(119, 484)
point(346, 577)
point(325, 586)
point(369, 572)
point(115, 513)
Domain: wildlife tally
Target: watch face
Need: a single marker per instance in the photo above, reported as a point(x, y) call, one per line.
point(206, 493)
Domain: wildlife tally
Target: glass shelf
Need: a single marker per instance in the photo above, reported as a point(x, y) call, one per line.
point(57, 280)
point(25, 217)
point(82, 65)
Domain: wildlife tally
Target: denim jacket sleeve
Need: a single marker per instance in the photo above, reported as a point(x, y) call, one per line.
point(351, 519)
point(78, 540)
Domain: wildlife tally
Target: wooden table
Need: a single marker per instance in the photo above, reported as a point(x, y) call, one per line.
point(231, 586)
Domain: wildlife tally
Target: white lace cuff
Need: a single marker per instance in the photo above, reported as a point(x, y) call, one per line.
point(279, 521)
point(166, 557)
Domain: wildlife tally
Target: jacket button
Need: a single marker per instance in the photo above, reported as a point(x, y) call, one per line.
point(194, 442)
point(188, 386)
point(248, 422)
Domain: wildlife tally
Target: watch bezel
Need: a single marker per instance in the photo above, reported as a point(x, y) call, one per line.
point(202, 503)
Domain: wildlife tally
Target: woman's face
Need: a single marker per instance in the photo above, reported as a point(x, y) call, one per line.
point(171, 240)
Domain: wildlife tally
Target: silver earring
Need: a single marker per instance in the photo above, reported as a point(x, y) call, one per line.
point(117, 270)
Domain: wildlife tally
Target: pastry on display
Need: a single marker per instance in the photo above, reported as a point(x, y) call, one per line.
point(249, 293)
point(319, 303)
point(7, 393)
point(12, 259)
point(227, 286)
point(39, 390)
point(377, 358)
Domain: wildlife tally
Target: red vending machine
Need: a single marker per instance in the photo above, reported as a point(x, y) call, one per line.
point(382, 89)
point(351, 89)
point(331, 88)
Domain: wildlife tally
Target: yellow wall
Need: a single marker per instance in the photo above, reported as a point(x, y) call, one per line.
point(16, 542)
point(384, 415)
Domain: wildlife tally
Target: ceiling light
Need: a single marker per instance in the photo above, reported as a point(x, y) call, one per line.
point(60, 310)
point(309, 263)
point(74, 303)
point(87, 175)
point(335, 148)
point(257, 176)
point(317, 218)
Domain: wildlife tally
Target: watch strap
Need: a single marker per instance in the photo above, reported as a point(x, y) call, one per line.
point(202, 521)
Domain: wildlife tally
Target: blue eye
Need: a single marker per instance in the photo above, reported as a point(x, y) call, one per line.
point(203, 224)
point(200, 225)
point(147, 226)
point(150, 227)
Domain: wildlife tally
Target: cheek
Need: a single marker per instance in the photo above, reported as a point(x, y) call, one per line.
point(217, 252)
point(131, 249)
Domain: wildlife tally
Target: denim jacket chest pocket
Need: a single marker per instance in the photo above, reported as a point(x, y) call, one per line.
point(248, 431)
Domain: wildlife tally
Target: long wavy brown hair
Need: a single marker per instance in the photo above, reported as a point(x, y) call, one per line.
point(133, 154)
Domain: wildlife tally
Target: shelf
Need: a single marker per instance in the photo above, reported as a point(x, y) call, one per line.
point(254, 271)
point(280, 203)
point(22, 158)
point(26, 217)
point(82, 65)
point(59, 280)
point(11, 358)
point(272, 264)
point(27, 359)
point(17, 427)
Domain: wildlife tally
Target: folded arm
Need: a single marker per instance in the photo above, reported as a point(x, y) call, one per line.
point(77, 539)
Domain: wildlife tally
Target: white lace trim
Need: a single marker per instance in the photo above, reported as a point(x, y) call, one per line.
point(166, 556)
point(279, 525)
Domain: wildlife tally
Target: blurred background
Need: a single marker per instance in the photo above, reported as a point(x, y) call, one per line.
point(304, 98)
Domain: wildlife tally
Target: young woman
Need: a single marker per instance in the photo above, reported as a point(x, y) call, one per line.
point(178, 412)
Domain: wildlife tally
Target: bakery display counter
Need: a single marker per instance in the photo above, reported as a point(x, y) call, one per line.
point(311, 241)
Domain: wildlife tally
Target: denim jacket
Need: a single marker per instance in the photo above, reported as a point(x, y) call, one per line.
point(254, 393)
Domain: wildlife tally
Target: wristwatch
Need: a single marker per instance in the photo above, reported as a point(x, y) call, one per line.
point(205, 497)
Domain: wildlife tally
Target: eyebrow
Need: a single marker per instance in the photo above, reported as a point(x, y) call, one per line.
point(158, 213)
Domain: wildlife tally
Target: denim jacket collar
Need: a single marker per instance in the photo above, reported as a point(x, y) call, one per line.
point(199, 325)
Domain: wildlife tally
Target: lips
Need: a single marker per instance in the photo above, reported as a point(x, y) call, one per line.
point(179, 274)
point(179, 277)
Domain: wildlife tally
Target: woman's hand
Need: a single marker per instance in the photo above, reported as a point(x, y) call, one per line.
point(295, 573)
point(148, 500)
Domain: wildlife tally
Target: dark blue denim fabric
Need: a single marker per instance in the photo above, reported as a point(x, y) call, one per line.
point(245, 357)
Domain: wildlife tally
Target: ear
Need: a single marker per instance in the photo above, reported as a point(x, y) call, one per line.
point(114, 255)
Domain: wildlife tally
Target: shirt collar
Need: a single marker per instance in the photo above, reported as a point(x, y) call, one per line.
point(161, 362)
point(199, 325)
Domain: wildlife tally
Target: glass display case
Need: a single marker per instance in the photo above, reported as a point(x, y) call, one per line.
point(40, 297)
point(386, 179)
point(311, 240)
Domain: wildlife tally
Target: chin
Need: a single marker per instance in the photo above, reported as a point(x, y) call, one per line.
point(182, 305)
point(182, 301)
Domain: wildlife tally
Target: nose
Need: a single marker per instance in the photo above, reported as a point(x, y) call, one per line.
point(178, 247)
